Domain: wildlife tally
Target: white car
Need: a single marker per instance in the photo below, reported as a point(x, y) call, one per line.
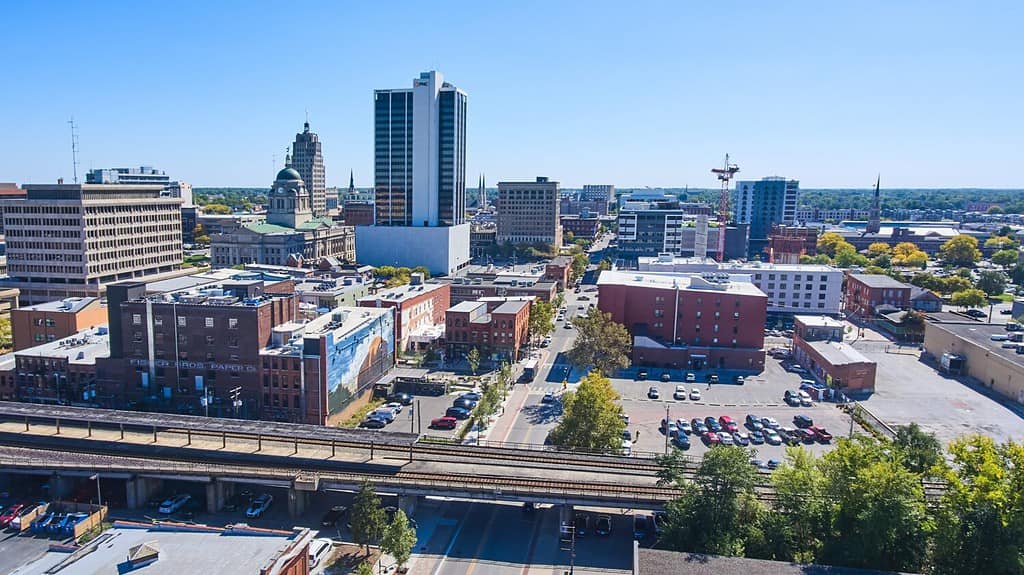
point(772, 437)
point(805, 398)
point(680, 392)
point(741, 438)
point(318, 549)
point(684, 426)
point(259, 505)
point(769, 423)
point(695, 394)
point(382, 413)
point(394, 406)
point(691, 378)
point(725, 438)
point(174, 503)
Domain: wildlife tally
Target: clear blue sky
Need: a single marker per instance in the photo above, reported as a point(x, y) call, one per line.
point(928, 93)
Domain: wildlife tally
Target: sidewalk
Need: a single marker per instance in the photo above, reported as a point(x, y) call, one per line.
point(513, 405)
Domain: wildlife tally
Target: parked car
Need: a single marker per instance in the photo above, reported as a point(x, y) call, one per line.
point(333, 516)
point(695, 394)
point(641, 375)
point(175, 503)
point(757, 437)
point(771, 437)
point(10, 513)
point(725, 438)
point(728, 424)
point(754, 422)
point(40, 523)
point(259, 505)
point(581, 522)
point(976, 313)
point(681, 441)
point(713, 378)
point(805, 398)
point(471, 395)
point(805, 435)
point(603, 525)
point(679, 393)
point(740, 380)
point(773, 463)
point(791, 397)
point(698, 426)
point(741, 438)
point(669, 427)
point(820, 434)
point(67, 528)
point(373, 423)
point(394, 406)
point(712, 424)
point(803, 421)
point(444, 422)
point(464, 403)
point(386, 414)
point(691, 378)
point(403, 398)
point(666, 376)
point(684, 426)
point(769, 422)
point(548, 398)
point(652, 392)
point(711, 438)
point(457, 412)
point(641, 526)
point(16, 522)
point(318, 549)
point(789, 435)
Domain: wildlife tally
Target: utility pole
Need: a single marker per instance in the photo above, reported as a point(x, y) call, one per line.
point(236, 399)
point(666, 427)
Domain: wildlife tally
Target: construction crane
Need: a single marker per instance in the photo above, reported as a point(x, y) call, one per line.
point(725, 173)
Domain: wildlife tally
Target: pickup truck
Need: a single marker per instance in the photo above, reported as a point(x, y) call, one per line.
point(820, 433)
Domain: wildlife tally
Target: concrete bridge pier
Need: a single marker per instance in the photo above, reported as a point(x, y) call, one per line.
point(138, 490)
point(217, 494)
point(409, 503)
point(60, 486)
point(565, 514)
point(298, 500)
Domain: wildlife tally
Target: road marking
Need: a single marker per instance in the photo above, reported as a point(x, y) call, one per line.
point(533, 546)
point(515, 417)
point(455, 537)
point(483, 540)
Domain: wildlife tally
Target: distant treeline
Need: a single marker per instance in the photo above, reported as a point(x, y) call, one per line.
point(234, 198)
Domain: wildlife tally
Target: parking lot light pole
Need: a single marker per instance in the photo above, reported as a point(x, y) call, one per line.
point(99, 495)
point(666, 427)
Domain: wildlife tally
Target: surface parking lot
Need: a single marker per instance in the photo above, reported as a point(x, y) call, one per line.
point(761, 395)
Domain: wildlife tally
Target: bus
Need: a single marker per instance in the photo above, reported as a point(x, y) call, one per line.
point(529, 370)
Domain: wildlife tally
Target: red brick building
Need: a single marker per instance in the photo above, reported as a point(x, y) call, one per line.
point(45, 322)
point(357, 213)
point(581, 227)
point(818, 346)
point(558, 270)
point(498, 335)
point(866, 292)
point(688, 321)
point(419, 311)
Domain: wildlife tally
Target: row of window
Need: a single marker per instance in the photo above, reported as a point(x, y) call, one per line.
point(209, 322)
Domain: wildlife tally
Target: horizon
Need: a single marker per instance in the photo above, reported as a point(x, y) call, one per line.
point(830, 95)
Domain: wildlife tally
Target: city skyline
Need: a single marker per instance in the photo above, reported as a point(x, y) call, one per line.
point(602, 95)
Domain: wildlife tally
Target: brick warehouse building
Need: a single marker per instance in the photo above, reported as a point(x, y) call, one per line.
point(419, 311)
point(866, 292)
point(691, 321)
point(498, 334)
point(166, 349)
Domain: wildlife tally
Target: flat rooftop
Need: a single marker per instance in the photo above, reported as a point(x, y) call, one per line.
point(818, 321)
point(210, 550)
point(695, 262)
point(330, 287)
point(66, 305)
point(838, 353)
point(466, 306)
point(401, 293)
point(879, 281)
point(980, 334)
point(683, 281)
point(190, 281)
point(511, 307)
point(660, 562)
point(82, 348)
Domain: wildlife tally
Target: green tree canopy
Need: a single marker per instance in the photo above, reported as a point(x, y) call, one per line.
point(473, 359)
point(922, 452)
point(961, 250)
point(216, 209)
point(368, 518)
point(542, 315)
point(1005, 258)
point(399, 538)
point(953, 284)
point(601, 343)
point(991, 282)
point(580, 261)
point(1001, 243)
point(829, 242)
point(877, 249)
point(969, 298)
point(846, 256)
point(592, 417)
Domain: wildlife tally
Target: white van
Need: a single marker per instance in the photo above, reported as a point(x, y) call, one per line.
point(318, 549)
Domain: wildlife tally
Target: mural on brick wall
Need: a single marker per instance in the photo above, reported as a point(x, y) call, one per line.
point(355, 362)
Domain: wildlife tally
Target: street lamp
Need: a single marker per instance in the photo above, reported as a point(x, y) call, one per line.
point(99, 495)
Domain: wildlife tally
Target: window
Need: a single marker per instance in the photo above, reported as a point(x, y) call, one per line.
point(714, 341)
point(136, 319)
point(796, 277)
point(210, 340)
point(182, 321)
point(659, 313)
point(821, 296)
point(718, 315)
point(716, 328)
point(158, 321)
point(698, 315)
point(137, 337)
point(696, 328)
point(232, 323)
point(735, 315)
point(209, 322)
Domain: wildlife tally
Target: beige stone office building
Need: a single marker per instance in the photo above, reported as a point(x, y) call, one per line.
point(70, 240)
point(528, 213)
point(971, 351)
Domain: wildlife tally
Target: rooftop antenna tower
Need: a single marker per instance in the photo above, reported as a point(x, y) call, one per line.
point(725, 173)
point(74, 148)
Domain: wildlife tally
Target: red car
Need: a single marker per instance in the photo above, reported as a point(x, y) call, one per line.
point(728, 424)
point(10, 513)
point(820, 433)
point(711, 438)
point(806, 435)
point(445, 422)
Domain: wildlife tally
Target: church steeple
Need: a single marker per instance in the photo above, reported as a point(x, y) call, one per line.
point(351, 182)
point(874, 225)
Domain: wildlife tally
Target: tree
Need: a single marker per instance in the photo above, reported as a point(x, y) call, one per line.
point(961, 250)
point(1005, 258)
point(568, 237)
point(904, 249)
point(828, 242)
point(364, 568)
point(218, 209)
point(980, 526)
point(399, 538)
point(422, 270)
point(605, 264)
point(473, 359)
point(1001, 243)
point(542, 315)
point(917, 259)
point(846, 256)
point(969, 298)
point(953, 284)
point(368, 518)
point(592, 417)
point(800, 495)
point(601, 343)
point(922, 452)
point(717, 510)
point(6, 337)
point(580, 262)
point(878, 249)
point(927, 281)
point(991, 282)
point(994, 210)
